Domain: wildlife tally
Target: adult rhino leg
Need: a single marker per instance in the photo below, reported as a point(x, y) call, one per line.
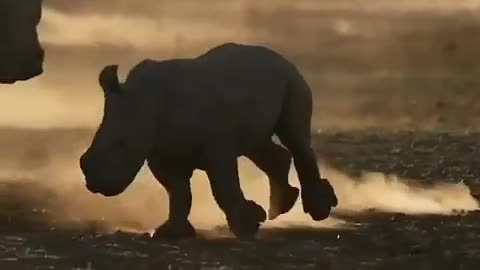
point(274, 160)
point(243, 216)
point(176, 181)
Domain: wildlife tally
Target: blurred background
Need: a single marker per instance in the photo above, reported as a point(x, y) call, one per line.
point(372, 65)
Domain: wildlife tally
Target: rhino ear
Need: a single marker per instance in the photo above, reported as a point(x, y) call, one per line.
point(108, 80)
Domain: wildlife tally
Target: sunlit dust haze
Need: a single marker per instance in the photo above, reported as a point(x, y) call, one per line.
point(373, 63)
point(57, 190)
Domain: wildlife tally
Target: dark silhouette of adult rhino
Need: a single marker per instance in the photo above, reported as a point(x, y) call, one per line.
point(21, 55)
point(203, 113)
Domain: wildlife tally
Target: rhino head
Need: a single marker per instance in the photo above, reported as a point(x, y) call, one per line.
point(21, 55)
point(123, 140)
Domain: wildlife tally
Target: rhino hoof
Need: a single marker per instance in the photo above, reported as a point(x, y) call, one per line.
point(245, 223)
point(175, 231)
point(282, 203)
point(319, 200)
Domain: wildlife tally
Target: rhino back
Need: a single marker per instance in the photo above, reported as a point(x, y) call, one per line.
point(232, 91)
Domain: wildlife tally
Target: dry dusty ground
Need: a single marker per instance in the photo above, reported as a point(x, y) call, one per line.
point(378, 241)
point(368, 67)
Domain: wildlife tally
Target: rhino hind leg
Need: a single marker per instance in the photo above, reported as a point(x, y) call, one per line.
point(275, 161)
point(176, 182)
point(243, 216)
point(294, 130)
point(318, 196)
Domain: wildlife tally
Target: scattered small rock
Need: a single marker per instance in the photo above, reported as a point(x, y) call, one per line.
point(416, 250)
point(459, 212)
point(398, 217)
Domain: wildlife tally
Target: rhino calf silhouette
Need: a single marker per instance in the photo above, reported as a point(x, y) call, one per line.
point(203, 113)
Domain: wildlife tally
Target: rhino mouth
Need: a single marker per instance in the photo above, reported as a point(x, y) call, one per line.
point(14, 79)
point(21, 77)
point(107, 192)
point(8, 80)
point(26, 72)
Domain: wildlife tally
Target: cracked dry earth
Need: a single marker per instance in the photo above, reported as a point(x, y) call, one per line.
point(379, 241)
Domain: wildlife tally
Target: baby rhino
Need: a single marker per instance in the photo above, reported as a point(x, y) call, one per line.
point(203, 113)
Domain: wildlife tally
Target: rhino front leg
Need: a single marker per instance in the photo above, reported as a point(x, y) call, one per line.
point(176, 181)
point(243, 216)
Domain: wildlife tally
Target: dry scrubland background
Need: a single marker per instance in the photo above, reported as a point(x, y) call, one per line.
point(371, 64)
point(394, 64)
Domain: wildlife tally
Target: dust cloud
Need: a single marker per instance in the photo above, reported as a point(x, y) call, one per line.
point(143, 33)
point(395, 65)
point(31, 106)
point(59, 192)
point(382, 192)
point(366, 69)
